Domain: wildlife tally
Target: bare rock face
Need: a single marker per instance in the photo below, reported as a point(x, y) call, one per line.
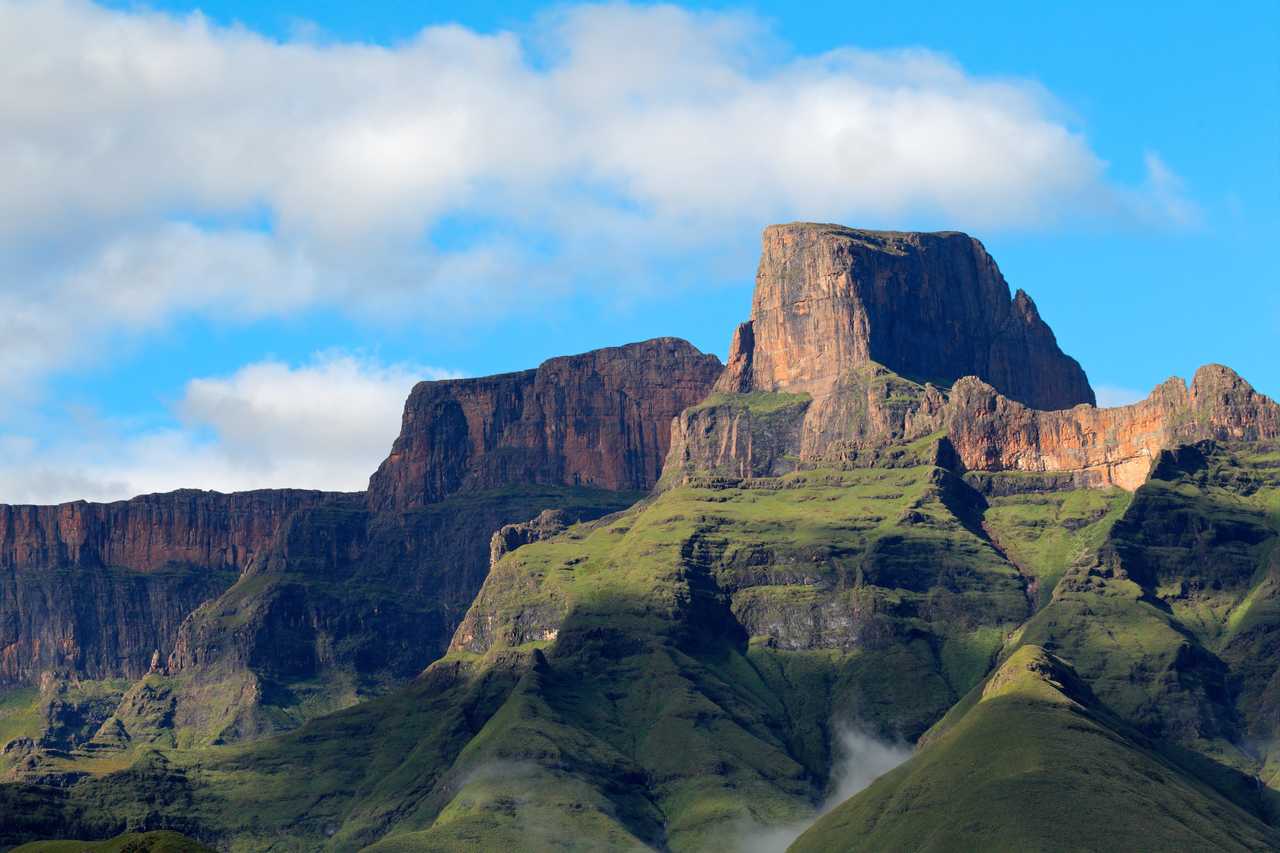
point(600, 419)
point(929, 307)
point(1106, 447)
point(853, 340)
point(188, 527)
point(861, 342)
point(95, 590)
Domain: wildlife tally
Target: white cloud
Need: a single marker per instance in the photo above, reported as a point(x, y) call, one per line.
point(326, 424)
point(145, 151)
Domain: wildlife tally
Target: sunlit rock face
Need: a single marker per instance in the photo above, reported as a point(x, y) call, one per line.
point(1106, 447)
point(861, 340)
point(929, 307)
point(599, 419)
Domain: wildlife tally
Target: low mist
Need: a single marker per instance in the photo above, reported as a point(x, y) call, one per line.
point(861, 758)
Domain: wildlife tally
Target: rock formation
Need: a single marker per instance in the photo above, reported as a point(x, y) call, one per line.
point(188, 527)
point(929, 307)
point(861, 341)
point(1106, 447)
point(96, 589)
point(599, 419)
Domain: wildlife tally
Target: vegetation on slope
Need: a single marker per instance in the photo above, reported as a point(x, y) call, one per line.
point(670, 676)
point(160, 841)
point(1035, 763)
point(660, 678)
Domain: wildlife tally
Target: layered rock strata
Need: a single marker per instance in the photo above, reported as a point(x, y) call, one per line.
point(929, 307)
point(1106, 447)
point(94, 590)
point(188, 527)
point(601, 419)
point(862, 341)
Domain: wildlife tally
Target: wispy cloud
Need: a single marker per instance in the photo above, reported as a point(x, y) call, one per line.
point(325, 424)
point(861, 758)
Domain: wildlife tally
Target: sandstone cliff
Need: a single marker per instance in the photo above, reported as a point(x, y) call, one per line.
point(188, 527)
point(354, 594)
point(1105, 447)
point(94, 590)
point(599, 419)
point(861, 342)
point(929, 307)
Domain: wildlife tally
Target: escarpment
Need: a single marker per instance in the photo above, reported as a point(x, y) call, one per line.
point(1106, 447)
point(600, 419)
point(862, 341)
point(188, 527)
point(94, 590)
point(929, 307)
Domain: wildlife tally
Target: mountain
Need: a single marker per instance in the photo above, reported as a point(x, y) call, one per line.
point(894, 519)
point(930, 307)
point(239, 615)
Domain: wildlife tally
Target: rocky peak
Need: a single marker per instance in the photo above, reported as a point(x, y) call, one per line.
point(1106, 447)
point(929, 307)
point(598, 419)
point(1228, 408)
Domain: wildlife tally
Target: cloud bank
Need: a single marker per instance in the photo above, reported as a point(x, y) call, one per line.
point(161, 166)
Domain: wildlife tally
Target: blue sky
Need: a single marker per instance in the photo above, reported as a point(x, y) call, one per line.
point(233, 227)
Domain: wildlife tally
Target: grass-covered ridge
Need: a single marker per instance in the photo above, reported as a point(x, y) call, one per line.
point(658, 678)
point(1036, 763)
point(755, 402)
point(133, 842)
point(670, 676)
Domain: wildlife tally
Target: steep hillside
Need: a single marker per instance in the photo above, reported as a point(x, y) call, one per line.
point(1036, 763)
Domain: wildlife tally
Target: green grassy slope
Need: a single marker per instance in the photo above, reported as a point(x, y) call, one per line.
point(1175, 627)
point(133, 842)
point(668, 676)
point(1036, 764)
point(656, 679)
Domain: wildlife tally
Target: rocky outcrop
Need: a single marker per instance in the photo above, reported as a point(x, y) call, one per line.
point(868, 329)
point(1106, 447)
point(95, 590)
point(929, 307)
point(861, 341)
point(600, 419)
point(512, 536)
point(346, 603)
point(188, 527)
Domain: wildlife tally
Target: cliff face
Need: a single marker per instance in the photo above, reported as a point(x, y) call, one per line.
point(929, 307)
point(345, 603)
point(855, 337)
point(341, 598)
point(601, 419)
point(1105, 447)
point(96, 589)
point(188, 527)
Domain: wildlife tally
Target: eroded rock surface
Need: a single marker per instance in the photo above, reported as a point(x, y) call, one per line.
point(599, 419)
point(929, 307)
point(1106, 447)
point(94, 590)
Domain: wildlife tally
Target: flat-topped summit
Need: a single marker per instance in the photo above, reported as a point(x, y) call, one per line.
point(928, 306)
